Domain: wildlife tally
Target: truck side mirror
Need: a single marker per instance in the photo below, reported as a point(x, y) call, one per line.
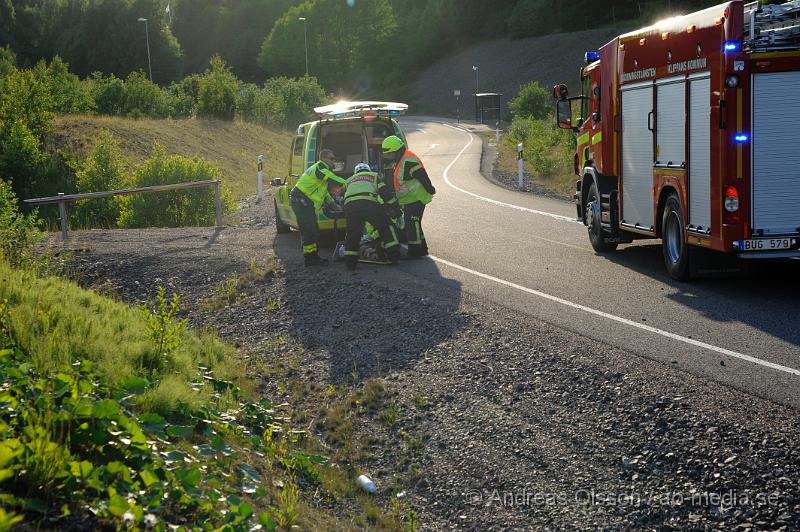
point(560, 92)
point(277, 182)
point(564, 114)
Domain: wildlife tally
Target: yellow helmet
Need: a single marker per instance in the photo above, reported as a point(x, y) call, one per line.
point(392, 144)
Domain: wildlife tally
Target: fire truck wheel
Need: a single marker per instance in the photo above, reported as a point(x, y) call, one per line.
point(280, 226)
point(596, 235)
point(673, 239)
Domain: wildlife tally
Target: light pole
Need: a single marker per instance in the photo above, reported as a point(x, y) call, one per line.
point(476, 91)
point(305, 39)
point(147, 36)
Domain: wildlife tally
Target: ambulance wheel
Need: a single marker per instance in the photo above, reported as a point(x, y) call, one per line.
point(673, 239)
point(280, 226)
point(596, 235)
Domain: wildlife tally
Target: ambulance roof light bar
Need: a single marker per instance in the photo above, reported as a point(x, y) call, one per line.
point(355, 109)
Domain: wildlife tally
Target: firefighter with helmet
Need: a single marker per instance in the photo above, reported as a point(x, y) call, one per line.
point(414, 190)
point(369, 199)
point(311, 195)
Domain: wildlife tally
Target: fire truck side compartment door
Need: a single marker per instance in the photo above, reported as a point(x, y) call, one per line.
point(776, 157)
point(670, 122)
point(700, 152)
point(637, 155)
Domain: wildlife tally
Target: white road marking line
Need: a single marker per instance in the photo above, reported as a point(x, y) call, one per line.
point(584, 308)
point(624, 321)
point(534, 211)
point(433, 146)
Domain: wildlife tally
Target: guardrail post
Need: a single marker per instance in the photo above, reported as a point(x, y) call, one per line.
point(260, 178)
point(218, 202)
point(520, 175)
point(62, 213)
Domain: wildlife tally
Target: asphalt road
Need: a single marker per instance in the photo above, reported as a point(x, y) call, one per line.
point(528, 254)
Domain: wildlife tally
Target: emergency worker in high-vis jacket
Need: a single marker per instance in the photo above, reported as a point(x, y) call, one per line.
point(414, 190)
point(308, 197)
point(369, 199)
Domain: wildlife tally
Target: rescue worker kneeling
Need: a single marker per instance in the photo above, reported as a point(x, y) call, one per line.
point(362, 203)
point(309, 196)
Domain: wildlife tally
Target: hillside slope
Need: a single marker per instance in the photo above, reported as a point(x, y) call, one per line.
point(234, 146)
point(504, 65)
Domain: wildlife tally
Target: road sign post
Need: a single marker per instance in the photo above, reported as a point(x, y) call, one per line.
point(520, 182)
point(457, 94)
point(260, 178)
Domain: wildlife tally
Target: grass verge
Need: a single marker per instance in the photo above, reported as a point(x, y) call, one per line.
point(117, 417)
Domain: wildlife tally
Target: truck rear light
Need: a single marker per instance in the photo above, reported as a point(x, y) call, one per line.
point(732, 205)
point(732, 81)
point(690, 29)
point(665, 36)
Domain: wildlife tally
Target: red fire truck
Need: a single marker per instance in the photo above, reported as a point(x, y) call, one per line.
point(685, 134)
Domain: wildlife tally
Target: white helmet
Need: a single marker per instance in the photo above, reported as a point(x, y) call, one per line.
point(362, 167)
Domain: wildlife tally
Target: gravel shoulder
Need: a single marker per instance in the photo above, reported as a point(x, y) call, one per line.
point(499, 421)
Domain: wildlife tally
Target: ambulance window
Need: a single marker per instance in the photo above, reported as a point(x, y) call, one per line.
point(297, 150)
point(585, 100)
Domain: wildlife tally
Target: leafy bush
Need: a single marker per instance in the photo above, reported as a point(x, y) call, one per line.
point(8, 62)
point(216, 97)
point(17, 232)
point(548, 149)
point(531, 102)
point(108, 93)
point(286, 102)
point(247, 101)
point(184, 95)
point(28, 99)
point(193, 207)
point(143, 98)
point(69, 94)
point(20, 156)
point(102, 170)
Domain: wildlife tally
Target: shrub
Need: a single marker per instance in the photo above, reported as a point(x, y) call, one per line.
point(69, 94)
point(27, 99)
point(108, 93)
point(184, 95)
point(547, 149)
point(247, 101)
point(216, 97)
point(102, 170)
point(17, 231)
point(531, 102)
point(286, 102)
point(143, 98)
point(20, 156)
point(174, 208)
point(8, 62)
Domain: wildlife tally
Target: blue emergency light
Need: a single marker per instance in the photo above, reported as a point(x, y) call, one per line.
point(732, 46)
point(591, 57)
point(741, 137)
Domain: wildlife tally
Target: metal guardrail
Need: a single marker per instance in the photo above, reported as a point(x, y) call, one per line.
point(63, 199)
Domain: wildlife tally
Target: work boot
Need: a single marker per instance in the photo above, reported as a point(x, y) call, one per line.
point(351, 261)
point(416, 251)
point(312, 259)
point(393, 255)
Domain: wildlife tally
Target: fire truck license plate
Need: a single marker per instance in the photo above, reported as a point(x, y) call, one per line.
point(765, 244)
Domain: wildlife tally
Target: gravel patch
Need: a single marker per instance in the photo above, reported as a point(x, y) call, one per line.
point(504, 422)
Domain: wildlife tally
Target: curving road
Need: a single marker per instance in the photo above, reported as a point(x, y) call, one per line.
point(527, 253)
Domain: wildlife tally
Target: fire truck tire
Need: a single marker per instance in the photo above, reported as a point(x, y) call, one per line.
point(673, 239)
point(596, 235)
point(280, 226)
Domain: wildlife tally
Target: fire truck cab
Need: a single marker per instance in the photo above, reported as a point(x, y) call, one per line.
point(685, 134)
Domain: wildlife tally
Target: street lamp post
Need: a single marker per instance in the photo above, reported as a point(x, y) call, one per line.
point(476, 91)
point(147, 37)
point(305, 39)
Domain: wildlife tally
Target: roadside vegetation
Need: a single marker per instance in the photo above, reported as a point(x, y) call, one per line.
point(548, 150)
point(114, 416)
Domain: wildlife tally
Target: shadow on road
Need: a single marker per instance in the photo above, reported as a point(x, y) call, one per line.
point(765, 297)
point(370, 322)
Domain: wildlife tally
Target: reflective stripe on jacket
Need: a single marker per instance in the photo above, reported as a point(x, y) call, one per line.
point(314, 183)
point(363, 186)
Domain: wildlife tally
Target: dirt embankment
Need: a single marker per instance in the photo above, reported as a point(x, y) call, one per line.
point(483, 419)
point(503, 66)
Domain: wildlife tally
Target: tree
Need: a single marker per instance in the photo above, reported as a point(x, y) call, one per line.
point(344, 43)
point(531, 102)
point(102, 170)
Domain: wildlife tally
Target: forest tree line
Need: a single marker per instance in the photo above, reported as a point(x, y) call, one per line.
point(353, 45)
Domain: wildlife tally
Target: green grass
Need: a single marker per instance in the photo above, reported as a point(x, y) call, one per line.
point(91, 428)
point(234, 146)
point(56, 322)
